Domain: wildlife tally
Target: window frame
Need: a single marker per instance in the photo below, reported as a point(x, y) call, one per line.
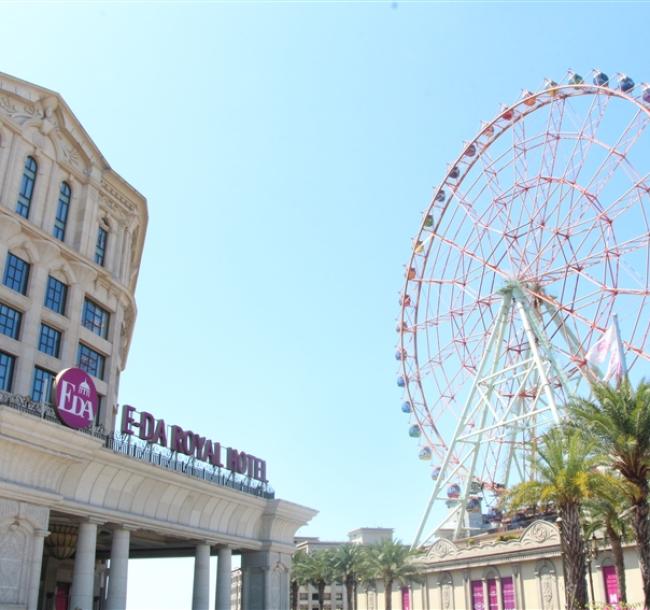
point(101, 245)
point(11, 359)
point(53, 337)
point(51, 375)
point(100, 358)
point(55, 287)
point(62, 210)
point(91, 313)
point(10, 282)
point(27, 186)
point(15, 325)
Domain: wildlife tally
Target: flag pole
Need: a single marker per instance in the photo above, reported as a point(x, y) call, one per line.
point(621, 352)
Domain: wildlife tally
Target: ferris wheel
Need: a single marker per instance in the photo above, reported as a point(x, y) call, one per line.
point(537, 236)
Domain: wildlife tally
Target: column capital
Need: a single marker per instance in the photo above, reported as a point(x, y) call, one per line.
point(41, 533)
point(93, 521)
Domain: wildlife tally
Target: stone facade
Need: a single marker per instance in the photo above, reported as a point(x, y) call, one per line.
point(76, 505)
point(525, 567)
point(36, 123)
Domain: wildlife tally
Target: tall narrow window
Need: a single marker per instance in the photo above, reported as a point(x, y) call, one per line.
point(56, 295)
point(100, 248)
point(7, 362)
point(62, 211)
point(42, 384)
point(16, 273)
point(26, 187)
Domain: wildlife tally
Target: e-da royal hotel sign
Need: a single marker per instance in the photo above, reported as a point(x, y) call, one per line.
point(76, 405)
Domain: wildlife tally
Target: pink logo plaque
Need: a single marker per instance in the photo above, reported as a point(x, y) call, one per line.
point(76, 398)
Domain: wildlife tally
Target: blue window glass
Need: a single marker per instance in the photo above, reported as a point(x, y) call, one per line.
point(10, 321)
point(50, 341)
point(16, 273)
point(62, 211)
point(26, 187)
point(95, 318)
point(7, 362)
point(91, 361)
point(42, 385)
point(56, 295)
point(100, 248)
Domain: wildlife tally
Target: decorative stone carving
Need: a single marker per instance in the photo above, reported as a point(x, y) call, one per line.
point(442, 548)
point(446, 593)
point(540, 531)
point(547, 592)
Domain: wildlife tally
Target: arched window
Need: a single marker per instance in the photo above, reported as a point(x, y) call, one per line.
point(62, 211)
point(26, 187)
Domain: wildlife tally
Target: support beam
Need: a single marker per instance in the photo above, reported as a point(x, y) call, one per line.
point(83, 573)
point(224, 572)
point(119, 570)
point(201, 589)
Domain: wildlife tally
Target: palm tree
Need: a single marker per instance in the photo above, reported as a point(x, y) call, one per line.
point(619, 420)
point(390, 561)
point(317, 569)
point(603, 512)
point(566, 477)
point(299, 575)
point(347, 563)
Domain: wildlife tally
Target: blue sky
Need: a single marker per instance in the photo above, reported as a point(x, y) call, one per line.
point(287, 151)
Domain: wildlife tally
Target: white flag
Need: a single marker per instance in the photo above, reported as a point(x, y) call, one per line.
point(607, 347)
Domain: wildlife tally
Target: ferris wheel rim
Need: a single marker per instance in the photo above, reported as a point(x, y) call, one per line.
point(519, 112)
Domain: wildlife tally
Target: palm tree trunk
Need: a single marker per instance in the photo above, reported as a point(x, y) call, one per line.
point(642, 535)
point(349, 589)
point(388, 594)
point(321, 595)
point(573, 552)
point(617, 550)
point(294, 594)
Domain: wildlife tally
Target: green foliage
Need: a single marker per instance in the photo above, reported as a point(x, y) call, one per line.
point(618, 419)
point(390, 560)
point(565, 464)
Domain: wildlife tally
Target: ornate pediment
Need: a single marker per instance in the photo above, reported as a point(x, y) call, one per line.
point(45, 115)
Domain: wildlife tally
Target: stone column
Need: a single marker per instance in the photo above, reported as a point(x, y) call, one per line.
point(201, 590)
point(83, 574)
point(224, 571)
point(35, 569)
point(118, 575)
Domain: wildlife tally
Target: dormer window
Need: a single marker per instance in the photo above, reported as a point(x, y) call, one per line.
point(27, 187)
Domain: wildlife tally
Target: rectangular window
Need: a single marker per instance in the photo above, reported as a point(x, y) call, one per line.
point(10, 321)
point(50, 341)
point(95, 318)
point(56, 295)
point(304, 596)
point(508, 593)
point(42, 385)
point(477, 595)
point(100, 248)
point(91, 361)
point(16, 273)
point(7, 362)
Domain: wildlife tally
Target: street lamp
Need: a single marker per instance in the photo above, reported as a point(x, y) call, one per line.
point(591, 554)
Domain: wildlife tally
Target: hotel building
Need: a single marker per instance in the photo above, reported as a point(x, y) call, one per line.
point(76, 504)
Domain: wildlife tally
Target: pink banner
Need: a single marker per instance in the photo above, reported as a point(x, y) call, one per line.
point(406, 598)
point(611, 584)
point(508, 592)
point(477, 595)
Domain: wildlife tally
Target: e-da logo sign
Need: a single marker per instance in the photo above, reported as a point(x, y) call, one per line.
point(76, 398)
